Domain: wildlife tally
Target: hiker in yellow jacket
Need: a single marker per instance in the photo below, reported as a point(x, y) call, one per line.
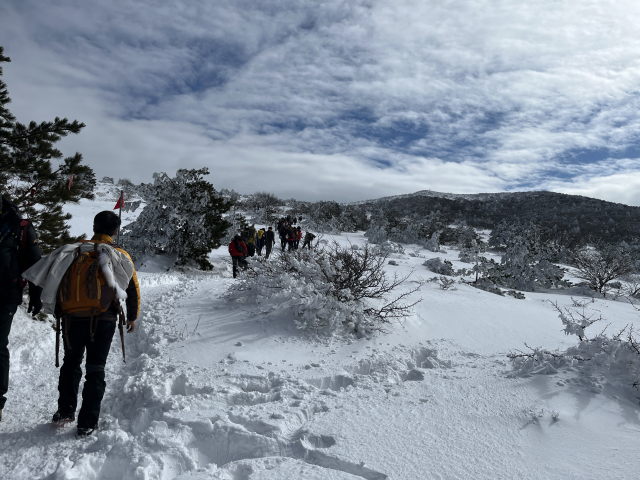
point(92, 329)
point(260, 240)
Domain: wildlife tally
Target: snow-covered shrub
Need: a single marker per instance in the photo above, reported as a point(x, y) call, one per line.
point(386, 248)
point(597, 360)
point(183, 217)
point(376, 234)
point(265, 206)
point(129, 188)
point(433, 245)
point(487, 285)
point(326, 288)
point(131, 206)
point(470, 252)
point(464, 257)
point(601, 265)
point(446, 283)
point(332, 217)
point(436, 265)
point(237, 223)
point(230, 195)
point(631, 287)
point(514, 294)
point(526, 262)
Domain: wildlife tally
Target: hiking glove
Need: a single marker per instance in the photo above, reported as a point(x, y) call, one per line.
point(35, 304)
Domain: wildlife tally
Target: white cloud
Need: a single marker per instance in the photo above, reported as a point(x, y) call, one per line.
point(619, 187)
point(313, 98)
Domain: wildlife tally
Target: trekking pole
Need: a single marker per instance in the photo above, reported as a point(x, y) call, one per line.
point(57, 340)
point(120, 325)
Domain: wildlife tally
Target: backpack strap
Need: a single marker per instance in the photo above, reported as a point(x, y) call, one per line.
point(93, 326)
point(66, 332)
point(24, 224)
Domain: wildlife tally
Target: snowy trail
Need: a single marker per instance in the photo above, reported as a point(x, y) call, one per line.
point(29, 447)
point(155, 422)
point(213, 390)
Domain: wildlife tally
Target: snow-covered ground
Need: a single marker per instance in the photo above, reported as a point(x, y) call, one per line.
point(214, 390)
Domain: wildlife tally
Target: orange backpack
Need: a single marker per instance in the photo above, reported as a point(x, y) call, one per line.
point(83, 290)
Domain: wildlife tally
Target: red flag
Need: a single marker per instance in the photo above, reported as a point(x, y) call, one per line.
point(120, 203)
point(70, 181)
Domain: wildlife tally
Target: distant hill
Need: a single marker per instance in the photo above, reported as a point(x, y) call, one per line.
point(573, 215)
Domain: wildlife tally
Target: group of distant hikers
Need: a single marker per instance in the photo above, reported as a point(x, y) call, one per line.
point(82, 285)
point(251, 241)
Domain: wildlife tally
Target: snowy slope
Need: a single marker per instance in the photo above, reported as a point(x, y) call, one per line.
point(217, 390)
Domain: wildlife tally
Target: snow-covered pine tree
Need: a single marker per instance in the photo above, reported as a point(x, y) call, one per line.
point(237, 222)
point(471, 252)
point(433, 244)
point(183, 217)
point(30, 180)
point(526, 263)
point(266, 205)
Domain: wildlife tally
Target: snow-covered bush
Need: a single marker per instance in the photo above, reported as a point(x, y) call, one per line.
point(487, 285)
point(333, 217)
point(389, 225)
point(386, 248)
point(596, 360)
point(376, 234)
point(631, 287)
point(518, 295)
point(526, 262)
point(433, 244)
point(446, 283)
point(436, 265)
point(230, 195)
point(237, 223)
point(326, 288)
point(183, 217)
point(265, 205)
point(601, 265)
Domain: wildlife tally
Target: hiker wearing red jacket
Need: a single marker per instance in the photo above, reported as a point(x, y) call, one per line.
point(296, 242)
point(238, 252)
point(291, 237)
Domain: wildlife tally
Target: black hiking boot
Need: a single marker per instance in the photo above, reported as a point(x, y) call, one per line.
point(62, 419)
point(85, 432)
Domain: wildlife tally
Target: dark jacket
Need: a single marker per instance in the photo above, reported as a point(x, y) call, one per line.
point(18, 251)
point(271, 238)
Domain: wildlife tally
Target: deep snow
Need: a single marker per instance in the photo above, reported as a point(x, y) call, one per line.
point(218, 390)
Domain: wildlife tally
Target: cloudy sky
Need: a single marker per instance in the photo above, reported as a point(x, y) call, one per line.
point(341, 99)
